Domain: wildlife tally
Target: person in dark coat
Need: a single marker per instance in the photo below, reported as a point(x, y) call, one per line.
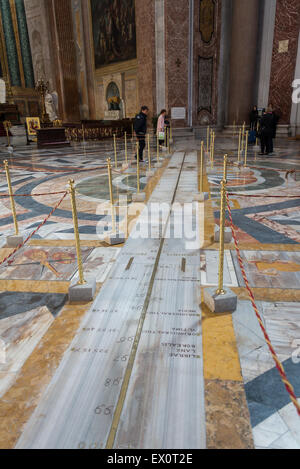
point(140, 128)
point(253, 118)
point(267, 132)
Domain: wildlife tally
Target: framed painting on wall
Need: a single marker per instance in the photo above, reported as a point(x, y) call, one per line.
point(114, 31)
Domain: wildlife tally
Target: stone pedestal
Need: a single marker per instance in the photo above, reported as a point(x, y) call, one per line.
point(82, 293)
point(226, 303)
point(117, 238)
point(141, 197)
point(14, 241)
point(227, 235)
point(201, 197)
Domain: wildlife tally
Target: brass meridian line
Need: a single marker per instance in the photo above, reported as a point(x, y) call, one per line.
point(119, 407)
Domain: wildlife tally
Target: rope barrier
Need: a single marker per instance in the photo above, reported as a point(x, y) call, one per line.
point(278, 364)
point(34, 232)
point(32, 195)
point(265, 196)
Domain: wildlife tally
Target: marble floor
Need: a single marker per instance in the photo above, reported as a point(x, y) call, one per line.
point(146, 364)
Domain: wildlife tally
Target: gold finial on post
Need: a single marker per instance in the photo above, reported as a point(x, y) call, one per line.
point(76, 232)
point(221, 290)
point(11, 196)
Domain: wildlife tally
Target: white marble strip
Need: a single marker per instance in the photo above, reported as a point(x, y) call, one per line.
point(78, 405)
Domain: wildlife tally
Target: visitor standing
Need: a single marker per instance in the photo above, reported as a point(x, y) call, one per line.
point(140, 128)
point(267, 132)
point(161, 127)
point(253, 118)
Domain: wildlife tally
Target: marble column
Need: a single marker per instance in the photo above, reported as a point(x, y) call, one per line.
point(265, 55)
point(145, 39)
point(63, 43)
point(24, 44)
point(285, 46)
point(10, 42)
point(177, 54)
point(88, 44)
point(243, 59)
point(160, 55)
point(295, 113)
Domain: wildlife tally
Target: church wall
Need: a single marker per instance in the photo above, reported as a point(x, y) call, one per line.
point(177, 57)
point(287, 25)
point(146, 58)
point(64, 58)
point(77, 14)
point(207, 33)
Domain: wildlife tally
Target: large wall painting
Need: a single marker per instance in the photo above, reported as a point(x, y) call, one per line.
point(114, 31)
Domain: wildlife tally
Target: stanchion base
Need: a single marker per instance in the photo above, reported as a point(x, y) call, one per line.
point(10, 149)
point(150, 173)
point(210, 170)
point(201, 197)
point(227, 235)
point(125, 166)
point(226, 303)
point(84, 292)
point(118, 238)
point(141, 197)
point(158, 165)
point(244, 169)
point(14, 241)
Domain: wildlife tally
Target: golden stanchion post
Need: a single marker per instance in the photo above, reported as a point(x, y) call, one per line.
point(220, 290)
point(210, 152)
point(202, 167)
point(207, 139)
point(240, 141)
point(221, 300)
point(243, 136)
point(11, 196)
point(7, 125)
point(115, 149)
point(132, 131)
point(225, 168)
point(111, 196)
point(76, 232)
point(168, 137)
point(138, 168)
point(246, 147)
point(171, 132)
point(126, 152)
point(213, 149)
point(149, 153)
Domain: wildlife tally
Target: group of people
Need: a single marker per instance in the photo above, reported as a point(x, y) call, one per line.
point(266, 126)
point(140, 129)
